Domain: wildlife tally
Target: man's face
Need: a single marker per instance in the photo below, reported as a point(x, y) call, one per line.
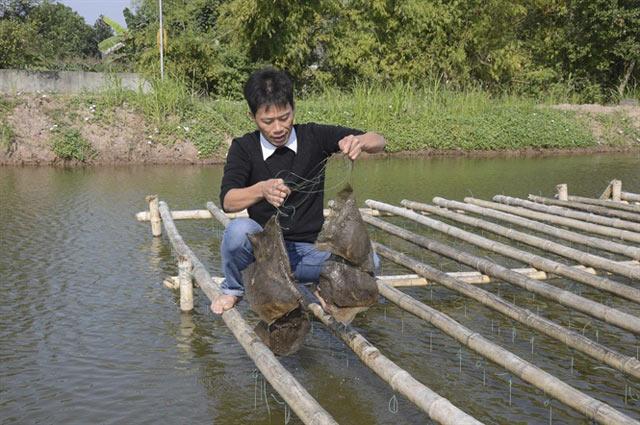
point(275, 123)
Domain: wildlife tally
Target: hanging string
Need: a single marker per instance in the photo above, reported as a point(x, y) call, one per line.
point(301, 185)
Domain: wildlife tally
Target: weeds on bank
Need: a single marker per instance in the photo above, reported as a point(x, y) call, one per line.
point(430, 117)
point(6, 132)
point(68, 144)
point(436, 118)
point(616, 129)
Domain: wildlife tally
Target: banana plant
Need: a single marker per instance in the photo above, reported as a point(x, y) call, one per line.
point(115, 42)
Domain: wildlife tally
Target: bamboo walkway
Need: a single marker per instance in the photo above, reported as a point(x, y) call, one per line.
point(604, 248)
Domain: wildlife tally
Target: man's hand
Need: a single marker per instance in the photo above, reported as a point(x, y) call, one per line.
point(351, 146)
point(275, 191)
point(223, 303)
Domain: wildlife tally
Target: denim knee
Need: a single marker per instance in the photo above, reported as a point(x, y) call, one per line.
point(237, 253)
point(235, 234)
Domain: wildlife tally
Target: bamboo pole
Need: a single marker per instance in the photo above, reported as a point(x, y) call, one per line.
point(154, 215)
point(472, 205)
point(596, 209)
point(565, 212)
point(528, 372)
point(628, 196)
point(563, 250)
point(607, 192)
point(468, 277)
point(569, 222)
point(563, 192)
point(435, 406)
point(545, 326)
point(206, 214)
point(606, 203)
point(300, 401)
point(616, 188)
point(566, 298)
point(218, 214)
point(186, 283)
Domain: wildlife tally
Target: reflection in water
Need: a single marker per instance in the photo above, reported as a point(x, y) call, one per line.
point(88, 333)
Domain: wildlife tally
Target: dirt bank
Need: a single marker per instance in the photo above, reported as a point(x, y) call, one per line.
point(125, 137)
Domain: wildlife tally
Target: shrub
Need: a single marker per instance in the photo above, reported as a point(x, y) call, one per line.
point(69, 144)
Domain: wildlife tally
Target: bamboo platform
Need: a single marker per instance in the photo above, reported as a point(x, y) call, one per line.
point(599, 231)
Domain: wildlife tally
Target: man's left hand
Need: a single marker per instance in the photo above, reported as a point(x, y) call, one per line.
point(351, 146)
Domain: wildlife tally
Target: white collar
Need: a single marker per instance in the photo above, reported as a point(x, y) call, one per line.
point(268, 149)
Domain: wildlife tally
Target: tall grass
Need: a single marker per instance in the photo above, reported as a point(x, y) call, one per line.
point(430, 117)
point(6, 132)
point(433, 117)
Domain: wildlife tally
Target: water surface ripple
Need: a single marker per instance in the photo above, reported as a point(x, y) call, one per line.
point(88, 334)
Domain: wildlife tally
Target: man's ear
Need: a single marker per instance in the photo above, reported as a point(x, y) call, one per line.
point(251, 116)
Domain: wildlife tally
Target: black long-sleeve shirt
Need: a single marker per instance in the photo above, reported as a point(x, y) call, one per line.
point(301, 215)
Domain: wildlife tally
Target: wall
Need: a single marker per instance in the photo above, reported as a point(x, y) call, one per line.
point(14, 81)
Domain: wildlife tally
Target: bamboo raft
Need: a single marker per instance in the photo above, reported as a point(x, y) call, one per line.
point(610, 223)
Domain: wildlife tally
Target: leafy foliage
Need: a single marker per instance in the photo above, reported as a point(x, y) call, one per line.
point(69, 144)
point(44, 35)
point(557, 48)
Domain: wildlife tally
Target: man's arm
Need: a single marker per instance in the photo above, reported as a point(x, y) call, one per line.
point(273, 190)
point(369, 142)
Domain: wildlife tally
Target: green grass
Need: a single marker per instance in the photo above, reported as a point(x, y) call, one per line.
point(617, 129)
point(429, 118)
point(440, 119)
point(69, 144)
point(6, 132)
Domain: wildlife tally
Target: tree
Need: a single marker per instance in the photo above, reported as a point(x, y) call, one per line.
point(17, 49)
point(63, 33)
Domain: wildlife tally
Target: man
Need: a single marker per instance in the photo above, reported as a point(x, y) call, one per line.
point(279, 167)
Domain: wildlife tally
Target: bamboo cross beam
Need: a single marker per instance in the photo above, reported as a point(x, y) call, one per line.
point(565, 212)
point(545, 326)
point(469, 277)
point(569, 299)
point(472, 205)
point(547, 245)
point(609, 204)
point(550, 218)
point(206, 214)
point(628, 196)
point(528, 372)
point(596, 209)
point(295, 395)
point(435, 406)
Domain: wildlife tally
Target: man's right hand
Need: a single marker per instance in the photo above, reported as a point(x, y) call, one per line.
point(275, 191)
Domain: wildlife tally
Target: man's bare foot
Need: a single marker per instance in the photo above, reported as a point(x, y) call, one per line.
point(223, 303)
point(323, 304)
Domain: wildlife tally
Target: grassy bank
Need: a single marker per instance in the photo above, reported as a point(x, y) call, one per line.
point(412, 120)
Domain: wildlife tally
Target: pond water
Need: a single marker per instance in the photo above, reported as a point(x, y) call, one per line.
point(88, 333)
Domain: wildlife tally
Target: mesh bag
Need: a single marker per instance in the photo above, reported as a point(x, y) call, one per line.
point(344, 233)
point(269, 284)
point(286, 335)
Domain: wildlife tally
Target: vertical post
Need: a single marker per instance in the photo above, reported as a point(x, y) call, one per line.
point(154, 215)
point(616, 190)
point(161, 42)
point(563, 192)
point(186, 283)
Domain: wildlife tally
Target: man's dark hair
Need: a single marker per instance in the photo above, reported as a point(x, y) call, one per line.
point(268, 86)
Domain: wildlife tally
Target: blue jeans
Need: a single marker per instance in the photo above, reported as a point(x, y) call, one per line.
point(237, 253)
